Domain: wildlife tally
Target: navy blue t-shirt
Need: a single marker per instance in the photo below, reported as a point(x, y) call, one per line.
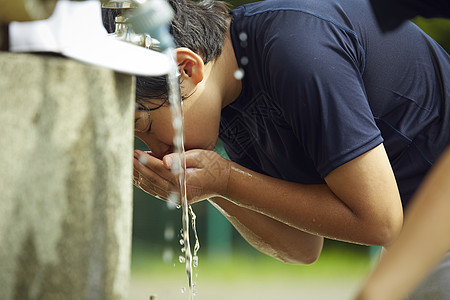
point(322, 85)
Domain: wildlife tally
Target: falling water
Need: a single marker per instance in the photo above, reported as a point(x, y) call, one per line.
point(179, 168)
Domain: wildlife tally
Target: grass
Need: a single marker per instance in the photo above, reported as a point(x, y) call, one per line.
point(248, 274)
point(334, 262)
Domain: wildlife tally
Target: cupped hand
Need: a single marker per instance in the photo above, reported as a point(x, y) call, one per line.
point(152, 176)
point(207, 174)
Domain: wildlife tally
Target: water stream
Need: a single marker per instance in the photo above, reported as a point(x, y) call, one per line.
point(179, 168)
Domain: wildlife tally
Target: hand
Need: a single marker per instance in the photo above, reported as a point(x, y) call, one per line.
point(207, 174)
point(151, 176)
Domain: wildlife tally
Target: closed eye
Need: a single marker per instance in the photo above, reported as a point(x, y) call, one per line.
point(142, 122)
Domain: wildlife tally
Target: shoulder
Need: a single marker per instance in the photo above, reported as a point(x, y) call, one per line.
point(299, 28)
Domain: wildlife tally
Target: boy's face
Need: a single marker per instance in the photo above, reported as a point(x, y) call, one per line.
point(201, 110)
point(201, 126)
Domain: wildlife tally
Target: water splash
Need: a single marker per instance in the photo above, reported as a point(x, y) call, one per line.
point(195, 261)
point(194, 230)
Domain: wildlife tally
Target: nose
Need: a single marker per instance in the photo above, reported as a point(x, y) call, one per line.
point(158, 148)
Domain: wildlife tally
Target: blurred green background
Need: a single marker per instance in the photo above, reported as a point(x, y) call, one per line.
point(226, 262)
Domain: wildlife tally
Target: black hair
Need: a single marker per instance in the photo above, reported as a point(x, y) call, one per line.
point(198, 25)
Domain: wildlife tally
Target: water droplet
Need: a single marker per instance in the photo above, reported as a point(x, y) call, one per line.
point(195, 261)
point(167, 255)
point(239, 74)
point(169, 233)
point(244, 60)
point(181, 259)
point(181, 242)
point(182, 290)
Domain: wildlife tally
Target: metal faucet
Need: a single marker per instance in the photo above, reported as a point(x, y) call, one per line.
point(124, 29)
point(153, 17)
point(120, 4)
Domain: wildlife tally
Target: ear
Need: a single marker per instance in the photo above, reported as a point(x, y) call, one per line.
point(190, 65)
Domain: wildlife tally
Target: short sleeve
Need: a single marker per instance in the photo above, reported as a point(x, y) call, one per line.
point(315, 68)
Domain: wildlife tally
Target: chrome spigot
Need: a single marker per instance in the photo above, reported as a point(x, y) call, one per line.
point(120, 4)
point(153, 17)
point(124, 30)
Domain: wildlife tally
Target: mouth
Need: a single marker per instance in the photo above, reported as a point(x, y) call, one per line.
point(164, 152)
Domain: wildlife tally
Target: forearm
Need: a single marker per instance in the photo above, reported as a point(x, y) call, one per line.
point(314, 209)
point(370, 214)
point(422, 243)
point(270, 236)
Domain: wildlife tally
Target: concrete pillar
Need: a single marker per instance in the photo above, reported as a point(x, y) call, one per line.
point(66, 141)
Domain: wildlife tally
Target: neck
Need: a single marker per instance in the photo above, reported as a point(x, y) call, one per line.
point(224, 68)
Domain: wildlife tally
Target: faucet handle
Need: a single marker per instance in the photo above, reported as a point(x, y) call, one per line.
point(119, 4)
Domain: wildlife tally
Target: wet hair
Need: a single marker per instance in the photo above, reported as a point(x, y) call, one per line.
point(197, 25)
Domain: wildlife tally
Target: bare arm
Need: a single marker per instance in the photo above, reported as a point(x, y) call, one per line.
point(422, 243)
point(359, 203)
point(270, 236)
point(266, 234)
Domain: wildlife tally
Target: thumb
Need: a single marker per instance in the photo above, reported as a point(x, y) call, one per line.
point(169, 160)
point(172, 160)
point(193, 159)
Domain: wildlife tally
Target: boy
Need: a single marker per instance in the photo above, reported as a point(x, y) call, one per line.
point(330, 130)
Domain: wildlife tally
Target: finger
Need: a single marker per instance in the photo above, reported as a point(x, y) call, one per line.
point(200, 158)
point(154, 181)
point(140, 152)
point(193, 159)
point(153, 186)
point(150, 188)
point(154, 190)
point(144, 163)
